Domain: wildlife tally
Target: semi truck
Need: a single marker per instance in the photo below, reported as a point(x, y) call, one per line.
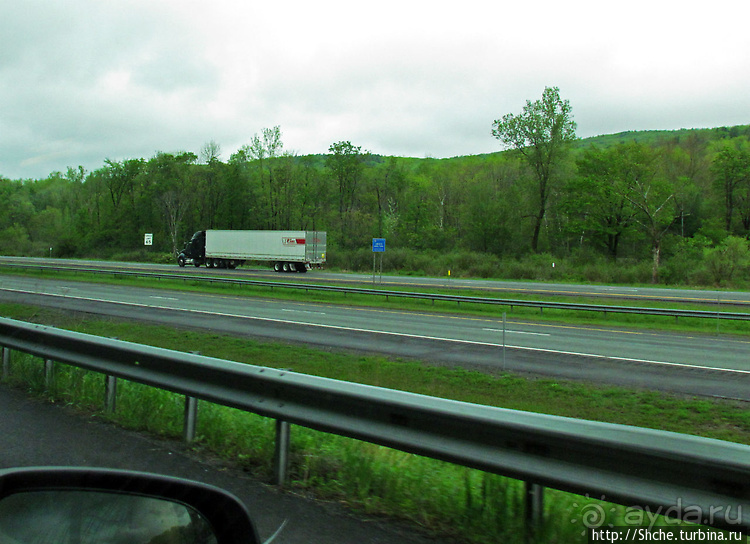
point(286, 250)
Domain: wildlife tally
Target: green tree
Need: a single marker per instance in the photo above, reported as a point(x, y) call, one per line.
point(173, 190)
point(651, 195)
point(285, 191)
point(731, 169)
point(121, 213)
point(265, 149)
point(685, 164)
point(595, 199)
point(346, 164)
point(541, 134)
point(387, 183)
point(488, 217)
point(417, 222)
point(119, 178)
point(212, 194)
point(15, 205)
point(246, 204)
point(313, 195)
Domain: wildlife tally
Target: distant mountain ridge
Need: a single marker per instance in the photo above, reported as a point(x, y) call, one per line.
point(650, 137)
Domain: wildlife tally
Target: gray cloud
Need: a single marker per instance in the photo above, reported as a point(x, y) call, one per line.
point(84, 80)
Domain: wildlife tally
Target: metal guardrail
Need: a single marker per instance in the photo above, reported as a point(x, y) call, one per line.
point(701, 314)
point(681, 475)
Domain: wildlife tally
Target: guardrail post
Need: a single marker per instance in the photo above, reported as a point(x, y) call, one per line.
point(281, 452)
point(110, 393)
point(191, 418)
point(534, 506)
point(49, 374)
point(6, 363)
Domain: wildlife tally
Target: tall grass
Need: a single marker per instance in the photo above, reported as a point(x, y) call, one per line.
point(378, 481)
point(684, 267)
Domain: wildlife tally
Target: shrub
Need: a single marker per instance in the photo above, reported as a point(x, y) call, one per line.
point(728, 260)
point(14, 241)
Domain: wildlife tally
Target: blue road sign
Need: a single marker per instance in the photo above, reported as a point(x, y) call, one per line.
point(378, 245)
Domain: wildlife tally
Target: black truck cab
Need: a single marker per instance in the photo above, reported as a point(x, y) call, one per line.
point(195, 250)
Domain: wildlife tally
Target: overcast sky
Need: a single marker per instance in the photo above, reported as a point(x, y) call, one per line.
point(86, 80)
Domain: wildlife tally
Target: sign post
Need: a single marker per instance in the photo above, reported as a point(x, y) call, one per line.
point(378, 246)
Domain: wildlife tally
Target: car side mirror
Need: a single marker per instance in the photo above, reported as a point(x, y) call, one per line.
point(87, 506)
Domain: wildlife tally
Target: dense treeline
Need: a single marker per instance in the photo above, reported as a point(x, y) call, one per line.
point(664, 206)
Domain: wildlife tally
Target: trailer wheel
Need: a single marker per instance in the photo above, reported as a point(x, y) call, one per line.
point(286, 267)
point(277, 267)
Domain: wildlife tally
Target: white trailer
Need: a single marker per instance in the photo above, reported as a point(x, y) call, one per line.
point(287, 250)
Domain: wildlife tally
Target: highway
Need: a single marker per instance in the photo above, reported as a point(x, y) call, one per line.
point(709, 297)
point(694, 364)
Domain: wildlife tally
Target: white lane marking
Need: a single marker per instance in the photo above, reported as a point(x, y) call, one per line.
point(401, 334)
point(519, 332)
point(302, 311)
point(163, 298)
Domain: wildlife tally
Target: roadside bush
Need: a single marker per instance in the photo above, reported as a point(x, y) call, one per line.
point(14, 241)
point(534, 267)
point(144, 256)
point(475, 265)
point(685, 264)
point(632, 272)
point(597, 272)
point(729, 260)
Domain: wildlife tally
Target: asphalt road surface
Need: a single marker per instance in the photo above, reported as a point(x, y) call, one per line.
point(695, 364)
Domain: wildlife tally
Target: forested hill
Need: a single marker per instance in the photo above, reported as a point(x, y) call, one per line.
point(656, 137)
point(669, 206)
